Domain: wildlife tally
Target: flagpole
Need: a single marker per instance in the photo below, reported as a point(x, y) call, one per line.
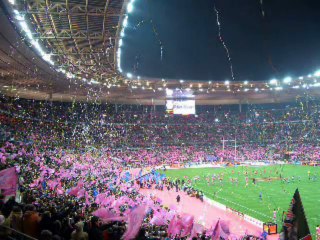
point(235, 149)
point(223, 144)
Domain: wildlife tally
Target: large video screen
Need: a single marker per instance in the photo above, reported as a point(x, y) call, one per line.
point(181, 107)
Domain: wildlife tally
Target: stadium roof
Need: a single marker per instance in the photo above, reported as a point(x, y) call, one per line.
point(65, 50)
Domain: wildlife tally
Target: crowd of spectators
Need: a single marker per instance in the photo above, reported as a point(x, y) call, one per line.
point(74, 163)
point(290, 133)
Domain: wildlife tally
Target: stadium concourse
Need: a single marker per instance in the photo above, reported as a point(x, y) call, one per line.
point(71, 167)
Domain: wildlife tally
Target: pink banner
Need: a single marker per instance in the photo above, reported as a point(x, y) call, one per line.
point(8, 181)
point(135, 219)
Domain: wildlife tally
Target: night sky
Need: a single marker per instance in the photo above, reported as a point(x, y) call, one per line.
point(286, 42)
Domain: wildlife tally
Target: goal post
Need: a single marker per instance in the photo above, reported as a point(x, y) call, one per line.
point(231, 142)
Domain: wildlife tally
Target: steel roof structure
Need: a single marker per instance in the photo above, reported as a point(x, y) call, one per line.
point(81, 37)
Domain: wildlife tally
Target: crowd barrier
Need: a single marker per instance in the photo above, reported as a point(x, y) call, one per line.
point(223, 207)
point(219, 165)
point(193, 165)
point(12, 234)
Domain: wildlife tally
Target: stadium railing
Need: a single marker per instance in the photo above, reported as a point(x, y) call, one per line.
point(12, 234)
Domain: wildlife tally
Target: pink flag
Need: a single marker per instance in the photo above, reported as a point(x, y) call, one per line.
point(52, 184)
point(3, 160)
point(107, 216)
point(197, 228)
point(135, 219)
point(74, 191)
point(8, 181)
point(81, 193)
point(100, 197)
point(187, 224)
point(87, 196)
point(106, 201)
point(159, 218)
point(103, 213)
point(60, 191)
point(174, 227)
point(218, 231)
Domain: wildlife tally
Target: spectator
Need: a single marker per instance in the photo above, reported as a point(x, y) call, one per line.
point(46, 222)
point(30, 222)
point(16, 218)
point(56, 228)
point(78, 233)
point(5, 222)
point(95, 233)
point(46, 235)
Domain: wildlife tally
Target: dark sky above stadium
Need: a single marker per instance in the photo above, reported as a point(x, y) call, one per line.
point(285, 42)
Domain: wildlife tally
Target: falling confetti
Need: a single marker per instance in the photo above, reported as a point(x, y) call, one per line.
point(262, 8)
point(223, 42)
point(155, 33)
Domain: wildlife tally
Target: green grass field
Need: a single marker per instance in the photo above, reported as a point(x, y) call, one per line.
point(275, 194)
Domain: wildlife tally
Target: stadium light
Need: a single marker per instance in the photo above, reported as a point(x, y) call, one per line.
point(169, 92)
point(273, 81)
point(125, 21)
point(181, 81)
point(287, 80)
point(26, 29)
point(130, 7)
point(129, 75)
point(61, 70)
point(227, 82)
point(246, 82)
point(317, 73)
point(18, 16)
point(48, 60)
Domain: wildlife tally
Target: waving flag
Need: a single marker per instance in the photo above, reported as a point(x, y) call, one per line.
point(221, 230)
point(197, 229)
point(187, 222)
point(135, 219)
point(174, 227)
point(295, 225)
point(8, 181)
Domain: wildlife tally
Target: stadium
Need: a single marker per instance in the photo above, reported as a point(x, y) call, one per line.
point(139, 119)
